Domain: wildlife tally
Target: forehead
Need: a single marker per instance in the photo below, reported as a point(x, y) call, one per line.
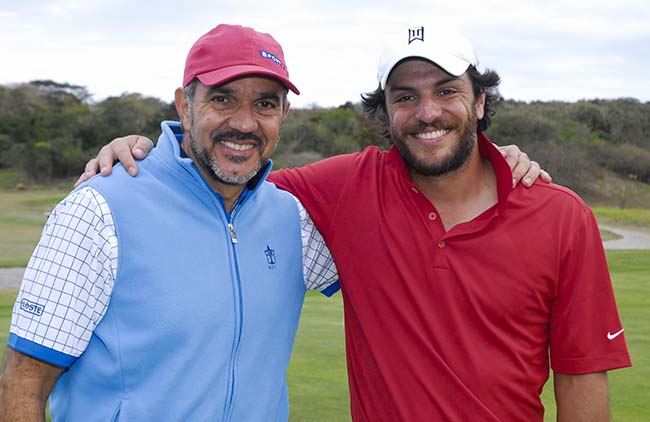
point(249, 84)
point(417, 71)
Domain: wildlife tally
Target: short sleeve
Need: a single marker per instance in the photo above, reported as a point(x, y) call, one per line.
point(584, 317)
point(68, 282)
point(319, 269)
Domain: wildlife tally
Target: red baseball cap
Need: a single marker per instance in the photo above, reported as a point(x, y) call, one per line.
point(230, 51)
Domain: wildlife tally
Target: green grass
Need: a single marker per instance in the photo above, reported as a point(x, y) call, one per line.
point(629, 387)
point(9, 178)
point(629, 217)
point(317, 375)
point(318, 385)
point(7, 298)
point(22, 216)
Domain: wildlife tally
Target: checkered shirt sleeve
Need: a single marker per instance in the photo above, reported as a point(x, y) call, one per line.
point(69, 279)
point(319, 269)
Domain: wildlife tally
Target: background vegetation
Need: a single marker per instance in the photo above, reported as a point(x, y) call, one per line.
point(599, 148)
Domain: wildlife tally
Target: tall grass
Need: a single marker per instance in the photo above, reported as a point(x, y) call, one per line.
point(629, 217)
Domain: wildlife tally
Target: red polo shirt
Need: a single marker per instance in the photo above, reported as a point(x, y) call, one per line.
point(457, 325)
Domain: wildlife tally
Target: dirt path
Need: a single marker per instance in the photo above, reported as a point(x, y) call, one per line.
point(631, 239)
point(10, 277)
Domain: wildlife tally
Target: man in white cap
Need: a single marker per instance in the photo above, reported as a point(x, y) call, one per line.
point(456, 283)
point(174, 296)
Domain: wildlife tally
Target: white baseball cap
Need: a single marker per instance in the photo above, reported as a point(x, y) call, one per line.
point(445, 46)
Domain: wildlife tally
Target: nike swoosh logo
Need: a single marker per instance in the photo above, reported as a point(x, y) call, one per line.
point(611, 336)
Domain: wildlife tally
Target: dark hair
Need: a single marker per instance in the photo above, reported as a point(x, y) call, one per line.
point(374, 103)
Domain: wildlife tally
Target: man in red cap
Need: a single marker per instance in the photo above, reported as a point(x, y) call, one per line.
point(456, 283)
point(174, 296)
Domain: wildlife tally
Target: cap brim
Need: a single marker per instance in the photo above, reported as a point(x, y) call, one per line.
point(220, 76)
point(451, 64)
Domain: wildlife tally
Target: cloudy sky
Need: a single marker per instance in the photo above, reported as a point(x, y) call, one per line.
point(544, 50)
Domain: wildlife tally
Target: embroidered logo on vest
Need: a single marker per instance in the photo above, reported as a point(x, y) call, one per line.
point(270, 257)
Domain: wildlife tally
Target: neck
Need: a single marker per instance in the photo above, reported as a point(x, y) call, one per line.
point(228, 192)
point(463, 194)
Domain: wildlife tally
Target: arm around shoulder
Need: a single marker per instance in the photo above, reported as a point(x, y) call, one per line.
point(583, 397)
point(25, 385)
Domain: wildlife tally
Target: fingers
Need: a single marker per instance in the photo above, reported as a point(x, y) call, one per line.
point(141, 147)
point(511, 154)
point(519, 164)
point(92, 166)
point(525, 171)
point(118, 150)
point(124, 150)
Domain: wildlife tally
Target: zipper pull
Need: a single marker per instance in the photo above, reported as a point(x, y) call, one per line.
point(233, 235)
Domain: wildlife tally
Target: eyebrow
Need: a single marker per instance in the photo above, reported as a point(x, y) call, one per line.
point(270, 95)
point(442, 81)
point(265, 95)
point(218, 90)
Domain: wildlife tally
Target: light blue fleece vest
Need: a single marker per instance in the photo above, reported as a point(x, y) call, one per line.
point(198, 328)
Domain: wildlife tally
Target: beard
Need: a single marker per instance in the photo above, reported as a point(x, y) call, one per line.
point(204, 159)
point(455, 160)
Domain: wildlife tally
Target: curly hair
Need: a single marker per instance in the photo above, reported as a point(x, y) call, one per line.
point(374, 103)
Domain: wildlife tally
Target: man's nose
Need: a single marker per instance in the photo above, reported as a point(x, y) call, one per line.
point(243, 120)
point(428, 110)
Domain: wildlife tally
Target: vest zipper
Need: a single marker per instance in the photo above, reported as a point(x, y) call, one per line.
point(233, 235)
point(230, 393)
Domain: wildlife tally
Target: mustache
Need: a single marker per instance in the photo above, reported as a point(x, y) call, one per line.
point(438, 124)
point(237, 136)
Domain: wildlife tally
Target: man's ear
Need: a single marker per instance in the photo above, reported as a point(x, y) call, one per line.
point(480, 105)
point(182, 108)
point(286, 112)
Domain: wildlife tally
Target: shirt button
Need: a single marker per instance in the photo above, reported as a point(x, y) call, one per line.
point(414, 190)
point(432, 216)
point(441, 244)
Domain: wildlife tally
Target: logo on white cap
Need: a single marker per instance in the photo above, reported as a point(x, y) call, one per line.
point(416, 34)
point(445, 46)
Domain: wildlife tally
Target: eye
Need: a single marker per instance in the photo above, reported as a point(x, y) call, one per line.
point(219, 99)
point(267, 105)
point(405, 98)
point(446, 92)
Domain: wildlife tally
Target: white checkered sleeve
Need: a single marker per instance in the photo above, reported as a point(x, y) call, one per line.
point(318, 266)
point(69, 279)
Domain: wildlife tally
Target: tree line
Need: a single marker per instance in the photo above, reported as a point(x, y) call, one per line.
point(48, 130)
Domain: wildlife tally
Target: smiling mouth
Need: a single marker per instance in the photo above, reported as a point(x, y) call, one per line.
point(432, 135)
point(238, 147)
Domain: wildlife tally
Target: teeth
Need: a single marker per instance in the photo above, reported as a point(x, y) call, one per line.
point(432, 135)
point(238, 147)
